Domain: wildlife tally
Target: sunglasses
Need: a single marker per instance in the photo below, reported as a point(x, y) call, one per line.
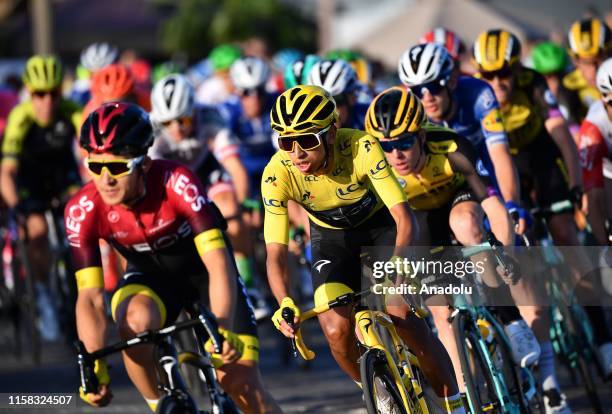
point(184, 122)
point(114, 168)
point(433, 87)
point(504, 73)
point(41, 94)
point(306, 142)
point(403, 143)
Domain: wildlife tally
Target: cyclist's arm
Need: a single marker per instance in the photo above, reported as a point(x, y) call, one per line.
point(557, 128)
point(491, 124)
point(190, 203)
point(240, 178)
point(276, 229)
point(463, 160)
point(90, 308)
point(18, 125)
point(375, 166)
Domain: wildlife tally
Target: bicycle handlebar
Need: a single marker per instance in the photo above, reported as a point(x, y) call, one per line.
point(86, 360)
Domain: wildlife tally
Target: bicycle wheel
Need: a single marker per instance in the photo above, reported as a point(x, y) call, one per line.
point(378, 385)
point(28, 314)
point(176, 403)
point(583, 352)
point(477, 377)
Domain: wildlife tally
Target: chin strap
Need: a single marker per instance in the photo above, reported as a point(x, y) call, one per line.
point(144, 192)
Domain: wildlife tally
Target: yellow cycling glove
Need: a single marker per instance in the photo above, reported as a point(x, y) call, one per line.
point(101, 371)
point(287, 302)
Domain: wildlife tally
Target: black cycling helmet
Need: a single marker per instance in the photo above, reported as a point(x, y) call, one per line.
point(118, 128)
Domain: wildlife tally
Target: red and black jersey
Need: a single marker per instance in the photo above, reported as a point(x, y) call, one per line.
point(157, 233)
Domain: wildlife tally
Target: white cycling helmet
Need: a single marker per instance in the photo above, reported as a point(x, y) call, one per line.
point(604, 77)
point(249, 73)
point(424, 63)
point(171, 98)
point(98, 55)
point(335, 76)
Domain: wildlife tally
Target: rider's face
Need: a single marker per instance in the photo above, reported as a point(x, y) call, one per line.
point(436, 104)
point(405, 162)
point(179, 129)
point(44, 105)
point(502, 86)
point(310, 161)
point(115, 191)
point(588, 68)
point(252, 102)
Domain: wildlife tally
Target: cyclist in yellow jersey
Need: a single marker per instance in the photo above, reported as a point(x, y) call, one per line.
point(341, 177)
point(38, 165)
point(450, 194)
point(590, 43)
point(545, 155)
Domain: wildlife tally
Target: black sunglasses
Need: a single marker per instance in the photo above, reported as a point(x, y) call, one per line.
point(504, 73)
point(403, 143)
point(433, 87)
point(41, 94)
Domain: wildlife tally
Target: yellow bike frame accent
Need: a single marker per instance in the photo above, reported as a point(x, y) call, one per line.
point(368, 321)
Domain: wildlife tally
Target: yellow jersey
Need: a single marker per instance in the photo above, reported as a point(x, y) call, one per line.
point(358, 184)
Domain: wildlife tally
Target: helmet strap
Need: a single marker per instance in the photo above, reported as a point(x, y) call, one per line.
point(142, 194)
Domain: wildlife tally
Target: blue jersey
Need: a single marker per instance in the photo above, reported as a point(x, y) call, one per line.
point(478, 118)
point(357, 118)
point(254, 135)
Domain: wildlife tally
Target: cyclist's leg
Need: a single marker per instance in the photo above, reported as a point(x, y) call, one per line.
point(143, 302)
point(335, 271)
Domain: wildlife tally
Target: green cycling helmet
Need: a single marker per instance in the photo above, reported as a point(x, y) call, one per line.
point(42, 73)
point(297, 72)
point(344, 54)
point(222, 56)
point(549, 57)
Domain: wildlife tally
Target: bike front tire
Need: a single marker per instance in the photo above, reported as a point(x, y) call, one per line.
point(375, 373)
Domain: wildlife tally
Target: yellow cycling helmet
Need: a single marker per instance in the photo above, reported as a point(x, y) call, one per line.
point(496, 49)
point(303, 108)
point(42, 73)
point(588, 38)
point(394, 112)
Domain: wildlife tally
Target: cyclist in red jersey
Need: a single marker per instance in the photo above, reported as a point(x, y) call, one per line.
point(153, 212)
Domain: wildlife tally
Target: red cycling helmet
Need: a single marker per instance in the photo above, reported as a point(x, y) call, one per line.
point(118, 128)
point(112, 83)
point(447, 38)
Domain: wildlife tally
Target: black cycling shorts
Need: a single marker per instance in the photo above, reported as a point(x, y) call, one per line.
point(542, 173)
point(336, 253)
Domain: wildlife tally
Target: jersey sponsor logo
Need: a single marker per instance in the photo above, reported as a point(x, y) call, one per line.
point(182, 185)
point(319, 264)
point(287, 163)
point(112, 217)
point(164, 241)
point(161, 223)
point(492, 122)
point(310, 178)
point(487, 99)
point(76, 215)
point(271, 180)
point(339, 169)
point(346, 193)
point(401, 182)
point(306, 196)
point(368, 146)
point(270, 202)
point(480, 168)
point(380, 170)
point(549, 98)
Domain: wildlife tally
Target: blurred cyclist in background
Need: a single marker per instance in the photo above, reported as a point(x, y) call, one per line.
point(93, 58)
point(112, 83)
point(551, 61)
point(297, 72)
point(218, 88)
point(339, 79)
point(590, 42)
point(280, 61)
point(38, 166)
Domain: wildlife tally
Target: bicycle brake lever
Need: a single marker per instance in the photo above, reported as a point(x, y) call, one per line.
point(87, 377)
point(288, 314)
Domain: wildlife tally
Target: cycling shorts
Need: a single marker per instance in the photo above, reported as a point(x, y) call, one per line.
point(336, 253)
point(542, 171)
